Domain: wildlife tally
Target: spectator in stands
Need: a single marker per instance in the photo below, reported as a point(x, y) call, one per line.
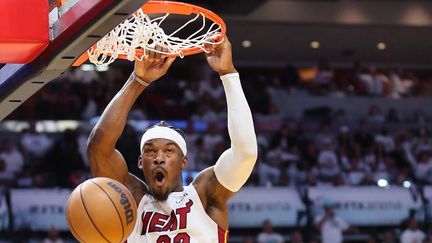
point(248, 239)
point(137, 113)
point(191, 96)
point(89, 107)
point(419, 117)
point(412, 234)
point(372, 239)
point(190, 133)
point(409, 82)
point(422, 142)
point(212, 137)
point(66, 152)
point(53, 236)
point(311, 179)
point(375, 118)
point(328, 162)
point(296, 237)
point(339, 180)
point(267, 234)
point(270, 167)
point(324, 77)
point(330, 225)
point(12, 159)
point(340, 118)
point(276, 90)
point(34, 144)
point(396, 84)
point(363, 137)
point(393, 116)
point(324, 135)
point(204, 113)
point(368, 180)
point(389, 237)
point(375, 81)
point(385, 139)
point(344, 138)
point(199, 157)
point(390, 171)
point(423, 167)
point(5, 177)
point(310, 153)
point(82, 144)
point(212, 89)
point(67, 104)
point(356, 171)
point(284, 138)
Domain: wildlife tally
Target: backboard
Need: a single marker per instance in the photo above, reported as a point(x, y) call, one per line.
point(72, 30)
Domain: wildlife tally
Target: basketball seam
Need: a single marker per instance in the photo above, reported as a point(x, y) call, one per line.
point(118, 213)
point(71, 226)
point(88, 215)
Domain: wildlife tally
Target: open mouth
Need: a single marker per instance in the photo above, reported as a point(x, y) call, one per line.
point(159, 178)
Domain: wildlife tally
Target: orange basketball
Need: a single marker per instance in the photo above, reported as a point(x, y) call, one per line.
point(101, 210)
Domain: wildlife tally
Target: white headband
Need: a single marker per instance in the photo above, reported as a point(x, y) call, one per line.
point(166, 133)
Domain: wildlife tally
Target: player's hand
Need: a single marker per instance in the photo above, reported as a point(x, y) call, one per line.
point(154, 67)
point(219, 57)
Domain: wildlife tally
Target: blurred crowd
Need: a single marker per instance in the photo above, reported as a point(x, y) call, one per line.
point(341, 154)
point(335, 149)
point(362, 80)
point(82, 95)
point(331, 229)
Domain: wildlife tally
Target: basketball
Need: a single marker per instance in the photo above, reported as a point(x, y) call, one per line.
point(100, 210)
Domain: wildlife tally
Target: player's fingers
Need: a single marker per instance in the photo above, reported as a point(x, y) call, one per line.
point(152, 55)
point(158, 54)
point(226, 41)
point(217, 37)
point(164, 51)
point(148, 55)
point(208, 47)
point(168, 62)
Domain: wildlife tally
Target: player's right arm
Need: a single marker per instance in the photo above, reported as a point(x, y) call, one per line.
point(104, 159)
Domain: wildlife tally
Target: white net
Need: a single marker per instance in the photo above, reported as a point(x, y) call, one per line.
point(141, 32)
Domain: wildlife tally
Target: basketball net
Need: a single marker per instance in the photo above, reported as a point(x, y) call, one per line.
point(139, 34)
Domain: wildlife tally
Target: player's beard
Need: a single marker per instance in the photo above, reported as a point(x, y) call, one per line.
point(160, 195)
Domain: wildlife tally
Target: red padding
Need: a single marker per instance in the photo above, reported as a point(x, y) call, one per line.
point(24, 30)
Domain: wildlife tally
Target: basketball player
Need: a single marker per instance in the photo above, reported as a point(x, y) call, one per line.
point(167, 211)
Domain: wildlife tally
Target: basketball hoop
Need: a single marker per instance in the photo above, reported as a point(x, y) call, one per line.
point(140, 33)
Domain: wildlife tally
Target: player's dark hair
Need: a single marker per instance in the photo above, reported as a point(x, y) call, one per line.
point(166, 124)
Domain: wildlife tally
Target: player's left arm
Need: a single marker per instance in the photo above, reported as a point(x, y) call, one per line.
point(234, 166)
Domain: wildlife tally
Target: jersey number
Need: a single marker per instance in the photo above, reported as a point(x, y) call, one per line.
point(179, 238)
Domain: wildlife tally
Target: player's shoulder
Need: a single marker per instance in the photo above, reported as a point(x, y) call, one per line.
point(207, 185)
point(204, 176)
point(203, 180)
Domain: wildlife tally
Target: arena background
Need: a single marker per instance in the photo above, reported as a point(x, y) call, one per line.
point(340, 92)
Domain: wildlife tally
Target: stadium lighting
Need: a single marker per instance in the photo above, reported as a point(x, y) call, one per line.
point(382, 183)
point(246, 43)
point(381, 46)
point(87, 67)
point(406, 184)
point(315, 44)
point(102, 68)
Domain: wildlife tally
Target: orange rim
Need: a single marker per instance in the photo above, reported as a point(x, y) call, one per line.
point(161, 7)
